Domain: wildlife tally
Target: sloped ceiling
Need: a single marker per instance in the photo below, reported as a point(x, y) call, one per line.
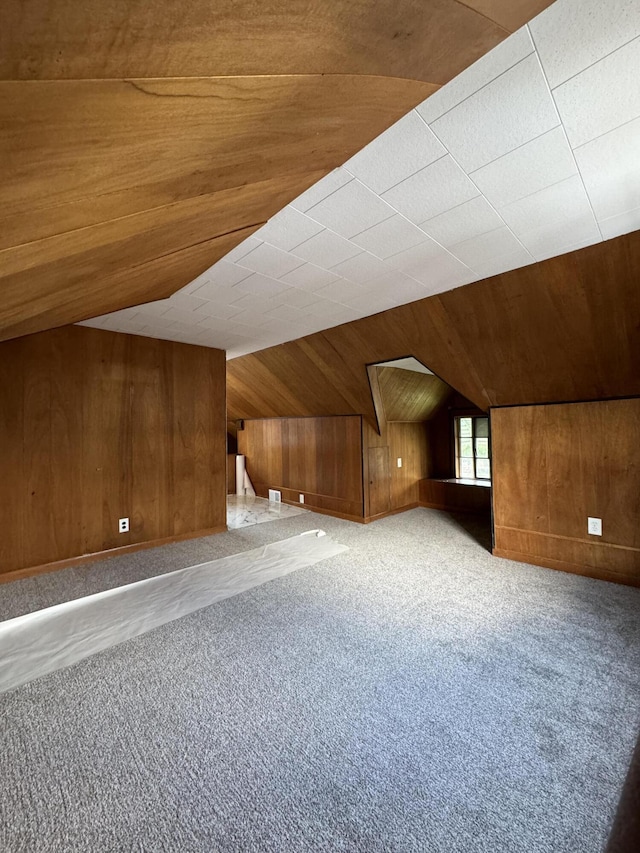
point(528, 154)
point(140, 142)
point(409, 396)
point(565, 329)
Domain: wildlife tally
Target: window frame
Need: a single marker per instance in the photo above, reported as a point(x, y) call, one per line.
point(473, 416)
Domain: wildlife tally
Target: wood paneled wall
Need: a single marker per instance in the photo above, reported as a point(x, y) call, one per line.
point(387, 487)
point(564, 329)
point(140, 142)
point(318, 457)
point(553, 466)
point(410, 396)
point(95, 426)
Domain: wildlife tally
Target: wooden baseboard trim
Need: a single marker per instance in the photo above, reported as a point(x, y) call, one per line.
point(334, 513)
point(449, 508)
point(19, 574)
point(562, 566)
point(380, 515)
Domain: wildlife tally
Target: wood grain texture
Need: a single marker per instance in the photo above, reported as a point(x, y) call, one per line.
point(132, 173)
point(318, 457)
point(564, 329)
point(421, 39)
point(97, 425)
point(553, 466)
point(132, 132)
point(455, 497)
point(391, 488)
point(410, 396)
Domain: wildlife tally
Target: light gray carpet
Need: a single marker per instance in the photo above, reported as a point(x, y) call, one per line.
point(414, 694)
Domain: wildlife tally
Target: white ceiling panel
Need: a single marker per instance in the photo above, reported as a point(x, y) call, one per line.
point(371, 303)
point(573, 34)
point(397, 286)
point(432, 266)
point(439, 187)
point(217, 320)
point(288, 229)
point(389, 237)
point(310, 277)
point(302, 298)
point(557, 238)
point(487, 247)
point(528, 169)
point(326, 249)
point(444, 272)
point(329, 184)
point(362, 268)
point(463, 222)
point(404, 149)
point(517, 105)
point(187, 301)
point(485, 176)
point(340, 291)
point(505, 263)
point(503, 57)
point(260, 285)
point(223, 274)
point(623, 223)
point(603, 97)
point(268, 260)
point(416, 257)
point(565, 200)
point(351, 209)
point(240, 250)
point(610, 168)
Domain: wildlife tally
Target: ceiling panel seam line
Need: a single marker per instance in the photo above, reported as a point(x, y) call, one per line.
point(484, 86)
point(486, 17)
point(535, 192)
point(564, 131)
point(595, 62)
point(491, 205)
point(517, 148)
point(611, 130)
point(396, 213)
point(333, 192)
point(428, 236)
point(412, 175)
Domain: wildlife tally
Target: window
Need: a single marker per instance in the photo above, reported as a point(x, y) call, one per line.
point(473, 455)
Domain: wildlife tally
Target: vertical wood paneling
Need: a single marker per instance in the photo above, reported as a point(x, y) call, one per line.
point(12, 468)
point(318, 457)
point(379, 480)
point(38, 473)
point(553, 466)
point(96, 425)
point(410, 442)
point(66, 426)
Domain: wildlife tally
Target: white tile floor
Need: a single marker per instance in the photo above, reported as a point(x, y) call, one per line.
point(243, 511)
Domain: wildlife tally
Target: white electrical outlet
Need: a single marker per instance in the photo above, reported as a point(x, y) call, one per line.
point(594, 526)
point(123, 525)
point(301, 497)
point(399, 462)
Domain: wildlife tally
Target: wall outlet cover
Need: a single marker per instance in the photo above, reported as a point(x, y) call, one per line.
point(399, 462)
point(275, 496)
point(594, 526)
point(301, 498)
point(123, 525)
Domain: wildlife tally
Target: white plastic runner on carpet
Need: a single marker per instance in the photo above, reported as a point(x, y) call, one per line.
point(39, 643)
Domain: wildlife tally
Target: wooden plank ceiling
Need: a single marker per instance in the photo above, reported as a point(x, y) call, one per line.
point(140, 142)
point(563, 330)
